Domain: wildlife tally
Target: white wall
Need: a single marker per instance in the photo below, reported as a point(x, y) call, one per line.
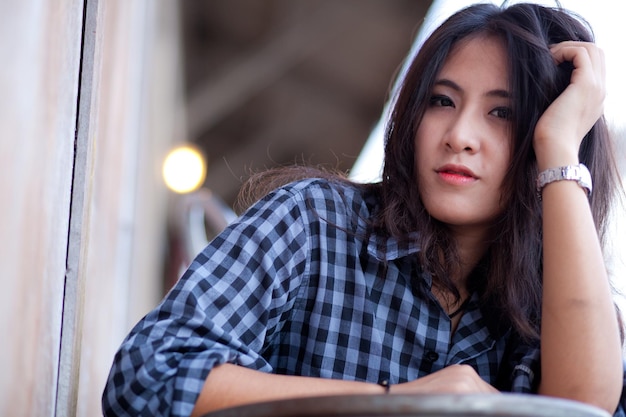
point(90, 102)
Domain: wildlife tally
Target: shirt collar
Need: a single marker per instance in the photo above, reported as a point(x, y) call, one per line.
point(386, 248)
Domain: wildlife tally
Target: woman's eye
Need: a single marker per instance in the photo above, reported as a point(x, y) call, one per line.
point(502, 113)
point(441, 101)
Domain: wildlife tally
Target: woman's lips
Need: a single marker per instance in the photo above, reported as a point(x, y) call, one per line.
point(456, 174)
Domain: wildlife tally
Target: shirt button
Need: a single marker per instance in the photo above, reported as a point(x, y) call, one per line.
point(431, 356)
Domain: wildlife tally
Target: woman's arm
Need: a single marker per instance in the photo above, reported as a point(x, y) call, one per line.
point(231, 385)
point(580, 346)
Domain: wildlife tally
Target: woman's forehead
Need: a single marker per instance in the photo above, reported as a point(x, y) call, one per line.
point(477, 59)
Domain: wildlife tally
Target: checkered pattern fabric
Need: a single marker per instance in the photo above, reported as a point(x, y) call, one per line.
point(298, 286)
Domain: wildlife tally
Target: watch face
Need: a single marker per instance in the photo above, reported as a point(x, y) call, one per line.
point(584, 179)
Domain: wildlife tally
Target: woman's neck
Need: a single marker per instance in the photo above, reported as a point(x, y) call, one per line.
point(471, 248)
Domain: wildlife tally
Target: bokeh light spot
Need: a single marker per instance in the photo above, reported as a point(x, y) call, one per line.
point(184, 169)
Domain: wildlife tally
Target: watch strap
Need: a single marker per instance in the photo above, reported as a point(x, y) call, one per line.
point(578, 173)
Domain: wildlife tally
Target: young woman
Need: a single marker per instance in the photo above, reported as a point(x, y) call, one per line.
point(477, 254)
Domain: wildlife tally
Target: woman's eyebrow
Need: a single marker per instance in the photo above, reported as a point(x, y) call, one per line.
point(491, 93)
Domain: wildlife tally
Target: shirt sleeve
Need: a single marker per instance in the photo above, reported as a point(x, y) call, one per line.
point(232, 300)
point(521, 367)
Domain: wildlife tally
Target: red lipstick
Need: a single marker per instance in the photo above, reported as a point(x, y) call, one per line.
point(456, 174)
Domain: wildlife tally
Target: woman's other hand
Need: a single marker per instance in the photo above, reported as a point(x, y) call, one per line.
point(454, 379)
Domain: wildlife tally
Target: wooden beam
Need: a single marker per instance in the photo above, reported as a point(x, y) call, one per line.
point(74, 292)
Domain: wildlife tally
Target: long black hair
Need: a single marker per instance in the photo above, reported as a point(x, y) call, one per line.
point(509, 277)
point(512, 268)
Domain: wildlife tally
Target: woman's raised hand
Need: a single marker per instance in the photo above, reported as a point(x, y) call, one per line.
point(567, 120)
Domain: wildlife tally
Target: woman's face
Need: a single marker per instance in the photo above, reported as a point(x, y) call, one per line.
point(463, 144)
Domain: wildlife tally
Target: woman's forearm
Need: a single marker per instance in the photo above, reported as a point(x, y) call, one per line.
point(231, 385)
point(581, 352)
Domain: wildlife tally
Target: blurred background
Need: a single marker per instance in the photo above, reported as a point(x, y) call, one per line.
point(128, 127)
point(269, 83)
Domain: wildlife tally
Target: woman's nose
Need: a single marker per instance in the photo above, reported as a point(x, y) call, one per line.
point(463, 135)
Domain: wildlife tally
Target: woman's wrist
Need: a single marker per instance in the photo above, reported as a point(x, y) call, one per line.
point(386, 385)
point(554, 155)
point(578, 173)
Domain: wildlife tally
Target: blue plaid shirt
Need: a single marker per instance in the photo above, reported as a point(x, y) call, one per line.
point(298, 286)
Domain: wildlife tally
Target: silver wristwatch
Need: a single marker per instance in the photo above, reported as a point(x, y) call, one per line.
point(578, 173)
